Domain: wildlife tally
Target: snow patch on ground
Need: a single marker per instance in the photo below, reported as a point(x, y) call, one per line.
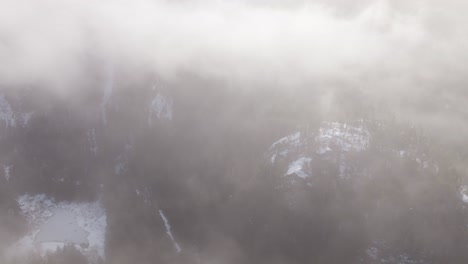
point(169, 232)
point(61, 227)
point(25, 117)
point(7, 172)
point(298, 167)
point(53, 224)
point(342, 137)
point(463, 193)
point(91, 133)
point(160, 108)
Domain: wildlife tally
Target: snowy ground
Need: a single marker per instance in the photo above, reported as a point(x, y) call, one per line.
point(53, 225)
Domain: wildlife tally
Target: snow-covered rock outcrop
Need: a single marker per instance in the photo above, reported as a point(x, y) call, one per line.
point(300, 167)
point(332, 142)
point(339, 144)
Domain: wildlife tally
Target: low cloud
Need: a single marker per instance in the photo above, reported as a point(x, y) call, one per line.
point(398, 53)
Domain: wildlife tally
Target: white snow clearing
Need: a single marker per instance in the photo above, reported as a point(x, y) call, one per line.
point(53, 225)
point(62, 227)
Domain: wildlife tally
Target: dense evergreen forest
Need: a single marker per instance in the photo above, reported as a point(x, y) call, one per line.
point(207, 165)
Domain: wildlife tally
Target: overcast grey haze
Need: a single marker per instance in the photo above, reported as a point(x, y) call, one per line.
point(233, 131)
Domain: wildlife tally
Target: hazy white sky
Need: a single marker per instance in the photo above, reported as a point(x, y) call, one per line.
point(398, 51)
point(231, 39)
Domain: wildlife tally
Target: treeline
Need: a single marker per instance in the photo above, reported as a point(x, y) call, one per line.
point(208, 170)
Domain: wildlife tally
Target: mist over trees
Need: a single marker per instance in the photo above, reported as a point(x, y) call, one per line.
point(239, 131)
point(209, 170)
